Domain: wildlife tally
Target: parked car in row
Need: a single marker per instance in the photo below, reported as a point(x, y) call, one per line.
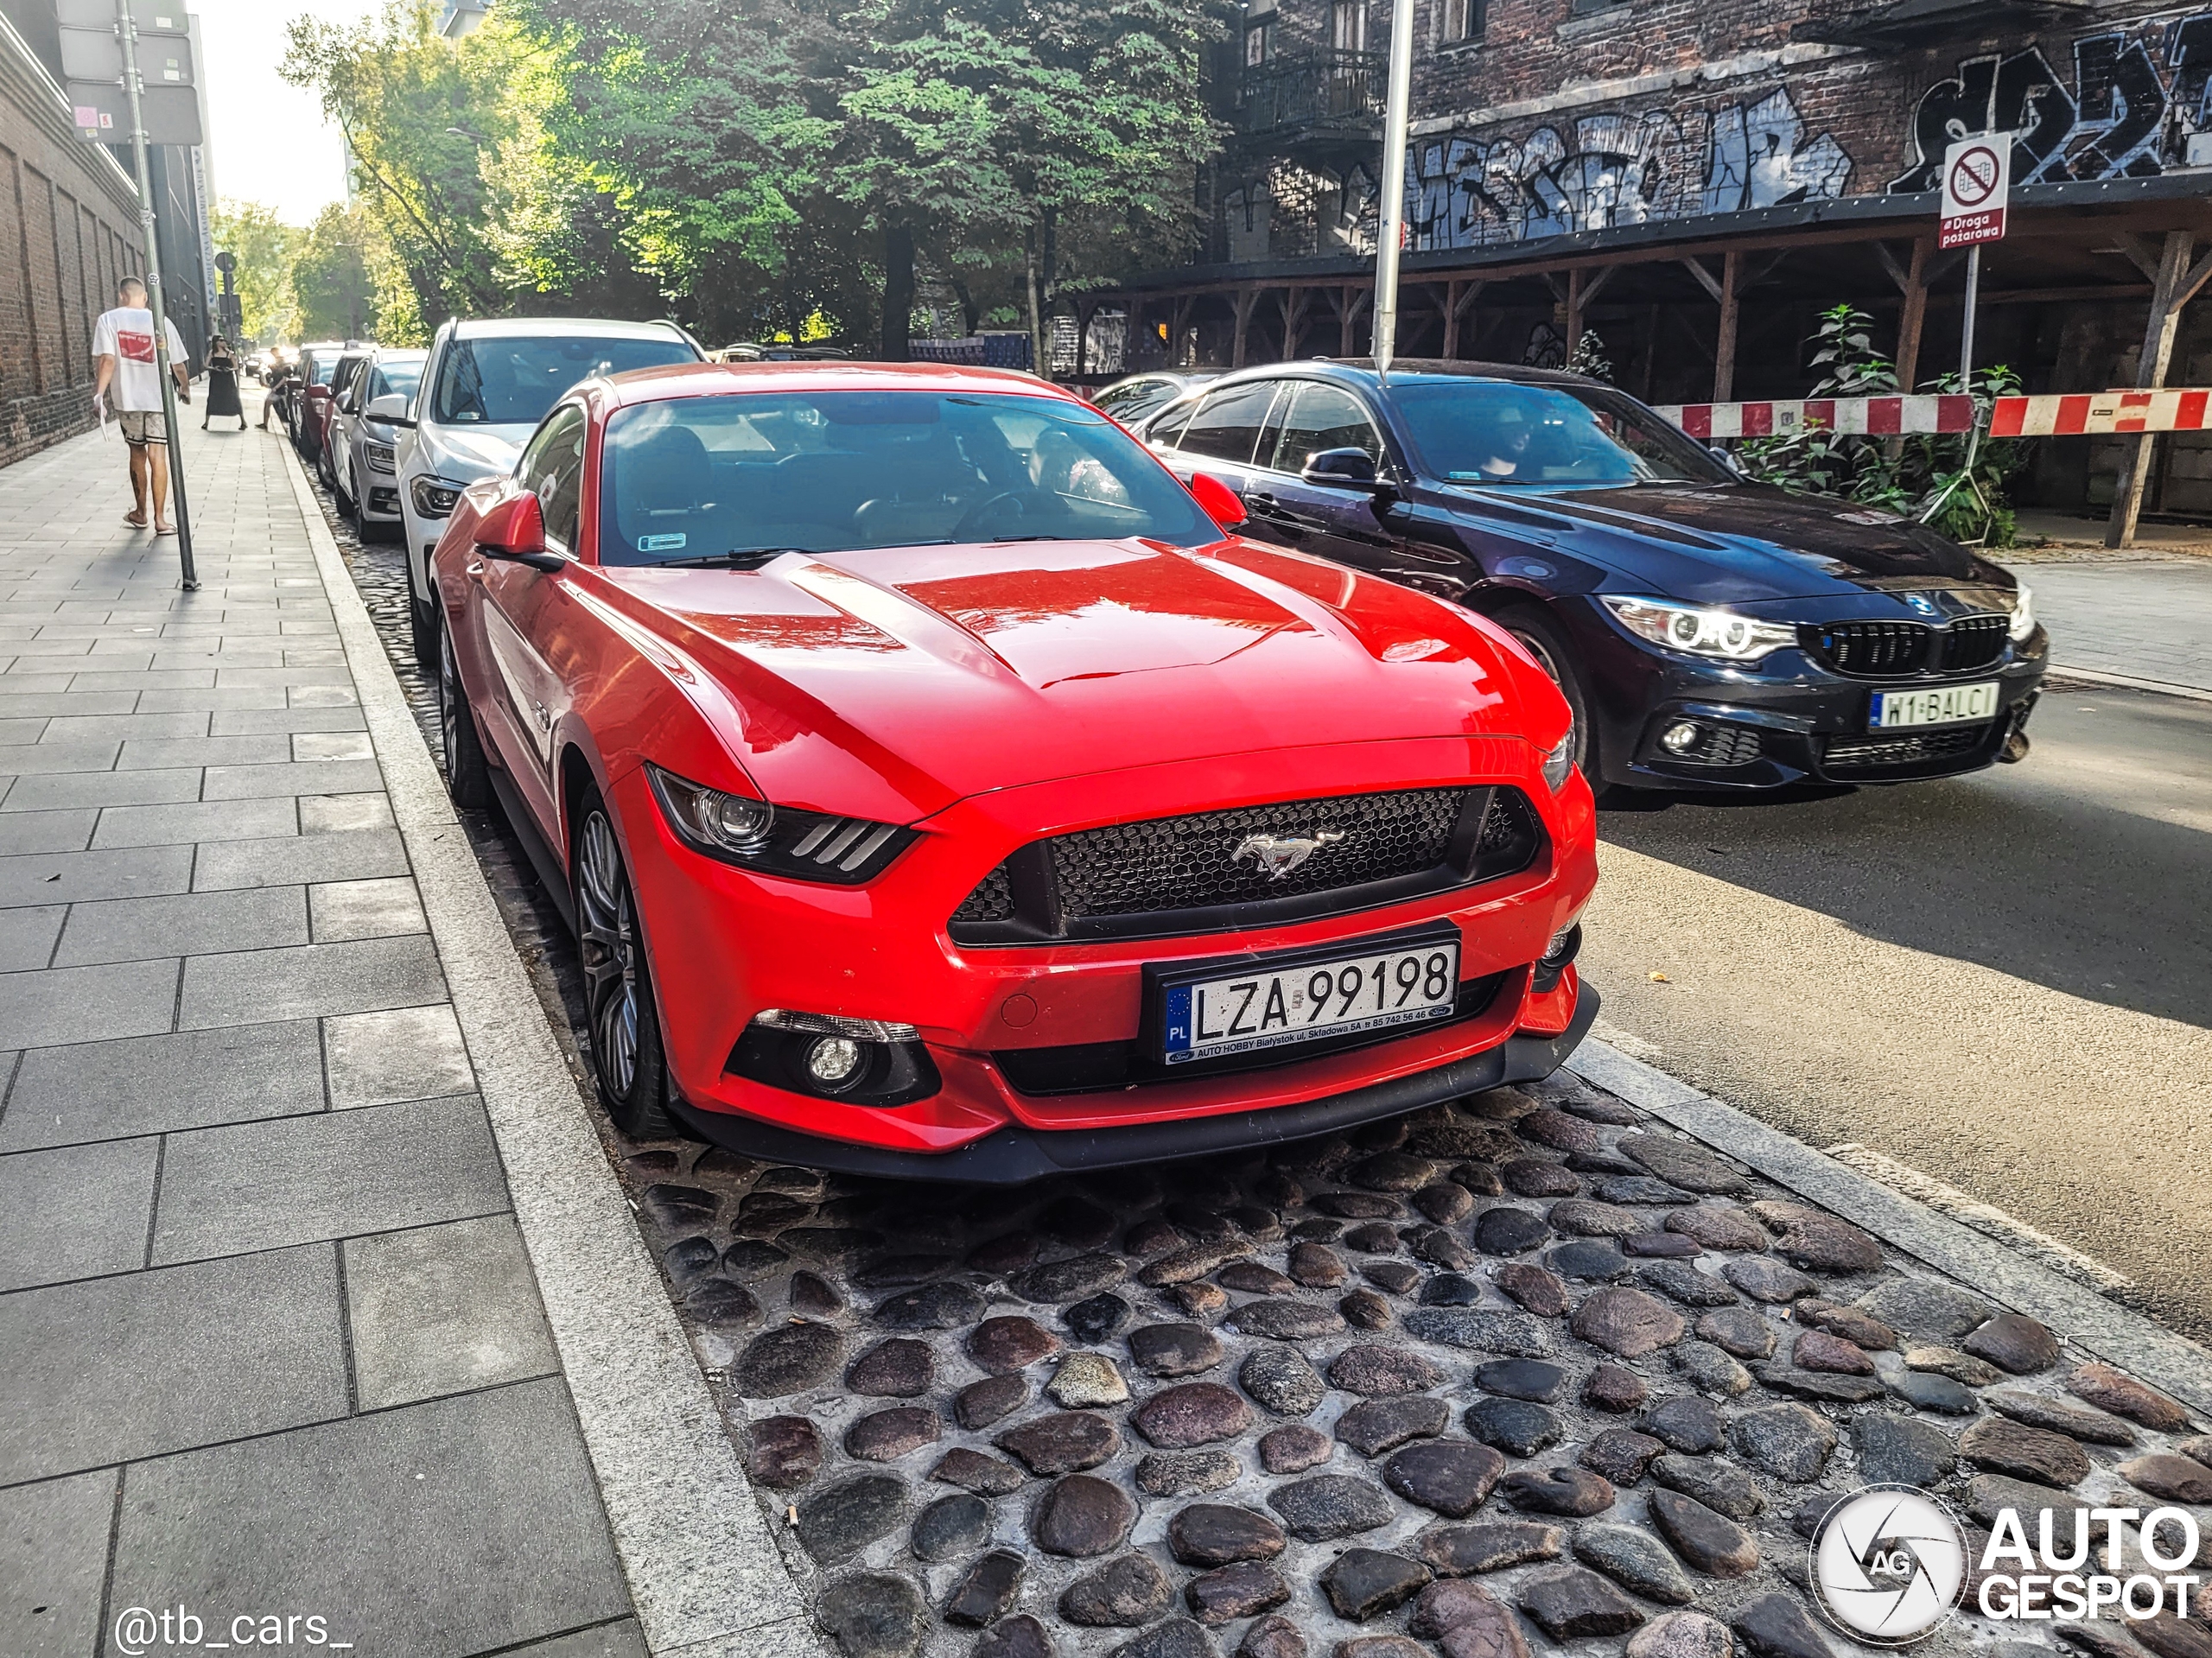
point(937, 790)
point(1709, 633)
point(485, 385)
point(323, 412)
point(1135, 398)
point(364, 450)
point(318, 363)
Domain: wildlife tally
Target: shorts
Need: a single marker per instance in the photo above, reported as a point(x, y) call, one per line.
point(142, 427)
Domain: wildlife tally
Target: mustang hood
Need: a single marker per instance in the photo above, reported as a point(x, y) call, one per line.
point(948, 672)
point(1740, 543)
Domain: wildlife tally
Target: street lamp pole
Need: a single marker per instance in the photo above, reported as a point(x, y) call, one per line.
point(127, 30)
point(1390, 232)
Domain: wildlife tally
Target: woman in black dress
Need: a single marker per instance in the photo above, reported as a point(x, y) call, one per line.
point(222, 384)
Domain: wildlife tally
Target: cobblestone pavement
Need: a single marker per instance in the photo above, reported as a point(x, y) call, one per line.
point(2145, 617)
point(1528, 1374)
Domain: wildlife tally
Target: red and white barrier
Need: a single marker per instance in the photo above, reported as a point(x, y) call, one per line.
point(2058, 414)
point(2094, 413)
point(1854, 416)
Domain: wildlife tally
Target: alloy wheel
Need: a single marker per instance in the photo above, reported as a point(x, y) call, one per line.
point(607, 923)
point(1542, 652)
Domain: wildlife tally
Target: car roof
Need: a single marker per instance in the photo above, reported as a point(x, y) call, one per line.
point(711, 379)
point(561, 327)
point(1361, 371)
point(400, 353)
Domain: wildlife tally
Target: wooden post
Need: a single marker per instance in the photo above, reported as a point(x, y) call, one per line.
point(1182, 315)
point(1085, 310)
point(1244, 300)
point(1132, 330)
point(1460, 300)
point(1293, 303)
point(1352, 302)
point(1650, 351)
point(1911, 315)
point(1723, 350)
point(1573, 312)
point(2174, 286)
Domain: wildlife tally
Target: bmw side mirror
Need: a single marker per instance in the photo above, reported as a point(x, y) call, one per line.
point(514, 530)
point(390, 409)
point(1343, 469)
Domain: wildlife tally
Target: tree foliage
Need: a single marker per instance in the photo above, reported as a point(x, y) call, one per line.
point(264, 248)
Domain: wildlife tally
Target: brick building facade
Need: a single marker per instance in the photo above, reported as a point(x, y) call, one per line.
point(68, 231)
point(1695, 179)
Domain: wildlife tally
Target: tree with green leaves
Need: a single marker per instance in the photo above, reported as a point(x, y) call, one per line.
point(333, 280)
point(264, 248)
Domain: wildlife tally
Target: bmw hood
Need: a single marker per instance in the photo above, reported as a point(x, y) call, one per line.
point(1743, 543)
point(948, 671)
point(467, 453)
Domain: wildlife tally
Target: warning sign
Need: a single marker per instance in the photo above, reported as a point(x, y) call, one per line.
point(1977, 177)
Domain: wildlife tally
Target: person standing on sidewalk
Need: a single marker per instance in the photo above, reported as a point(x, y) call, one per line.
point(128, 380)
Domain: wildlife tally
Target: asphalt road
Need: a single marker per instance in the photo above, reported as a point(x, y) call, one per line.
point(2003, 980)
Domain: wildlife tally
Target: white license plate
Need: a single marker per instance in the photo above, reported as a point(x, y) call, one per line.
point(1272, 1007)
point(1948, 705)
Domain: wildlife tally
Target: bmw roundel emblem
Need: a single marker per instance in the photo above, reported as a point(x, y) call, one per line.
point(1921, 602)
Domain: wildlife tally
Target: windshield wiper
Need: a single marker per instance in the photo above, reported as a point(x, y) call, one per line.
point(747, 558)
point(995, 540)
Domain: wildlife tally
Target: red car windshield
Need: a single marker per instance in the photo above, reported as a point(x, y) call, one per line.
point(704, 479)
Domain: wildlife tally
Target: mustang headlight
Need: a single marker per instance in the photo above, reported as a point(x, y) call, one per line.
point(2024, 614)
point(435, 498)
point(1560, 763)
point(776, 840)
point(1720, 633)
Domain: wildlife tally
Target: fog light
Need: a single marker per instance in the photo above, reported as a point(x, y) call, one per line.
point(833, 1059)
point(1678, 737)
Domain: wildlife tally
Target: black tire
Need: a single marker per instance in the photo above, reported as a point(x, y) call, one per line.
point(468, 774)
point(621, 1016)
point(1544, 639)
point(422, 633)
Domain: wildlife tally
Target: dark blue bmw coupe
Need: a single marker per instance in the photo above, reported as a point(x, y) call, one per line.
point(1711, 632)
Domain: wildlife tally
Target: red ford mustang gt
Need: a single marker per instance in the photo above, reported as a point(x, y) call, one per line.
point(937, 789)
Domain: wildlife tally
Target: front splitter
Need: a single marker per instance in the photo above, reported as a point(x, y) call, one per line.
point(1014, 1156)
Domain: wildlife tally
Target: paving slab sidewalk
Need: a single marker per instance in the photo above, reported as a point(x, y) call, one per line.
point(270, 1344)
point(2143, 618)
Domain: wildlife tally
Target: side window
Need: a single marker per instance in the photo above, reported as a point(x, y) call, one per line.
point(553, 468)
point(1324, 417)
point(1227, 424)
point(1167, 431)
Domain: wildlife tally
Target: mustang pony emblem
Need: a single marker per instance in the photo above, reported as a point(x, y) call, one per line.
point(1281, 853)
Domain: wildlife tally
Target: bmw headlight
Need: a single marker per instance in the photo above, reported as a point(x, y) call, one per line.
point(745, 830)
point(1559, 765)
point(2024, 614)
point(435, 498)
point(1719, 633)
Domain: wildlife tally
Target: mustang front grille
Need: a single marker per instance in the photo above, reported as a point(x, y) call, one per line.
point(1905, 650)
point(1250, 865)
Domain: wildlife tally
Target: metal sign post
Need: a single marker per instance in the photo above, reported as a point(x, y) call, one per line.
point(127, 30)
point(1391, 232)
point(1977, 179)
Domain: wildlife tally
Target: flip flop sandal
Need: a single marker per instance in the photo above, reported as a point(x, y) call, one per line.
point(134, 521)
point(165, 530)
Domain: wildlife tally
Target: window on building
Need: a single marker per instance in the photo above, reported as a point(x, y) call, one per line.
point(1259, 42)
point(1463, 21)
point(1348, 25)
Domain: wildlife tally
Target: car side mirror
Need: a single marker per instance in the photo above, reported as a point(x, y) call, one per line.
point(514, 530)
point(1342, 469)
point(1218, 501)
point(390, 409)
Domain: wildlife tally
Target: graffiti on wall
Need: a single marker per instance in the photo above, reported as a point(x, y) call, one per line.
point(1601, 171)
point(2134, 98)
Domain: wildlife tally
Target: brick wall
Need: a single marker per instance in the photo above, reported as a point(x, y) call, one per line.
point(69, 224)
point(1556, 119)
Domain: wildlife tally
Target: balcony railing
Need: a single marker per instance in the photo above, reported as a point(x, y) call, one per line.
point(1312, 89)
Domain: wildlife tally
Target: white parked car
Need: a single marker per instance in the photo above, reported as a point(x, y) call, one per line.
point(485, 384)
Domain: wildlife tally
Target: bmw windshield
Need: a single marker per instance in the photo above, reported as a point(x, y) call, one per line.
point(1490, 432)
point(724, 479)
point(511, 381)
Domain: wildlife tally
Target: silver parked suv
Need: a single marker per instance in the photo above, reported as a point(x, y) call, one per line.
point(485, 387)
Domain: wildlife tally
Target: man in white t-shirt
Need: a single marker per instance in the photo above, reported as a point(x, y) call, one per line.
point(127, 380)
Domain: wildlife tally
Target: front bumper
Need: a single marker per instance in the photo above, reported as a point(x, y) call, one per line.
point(1015, 1154)
point(726, 943)
point(1786, 719)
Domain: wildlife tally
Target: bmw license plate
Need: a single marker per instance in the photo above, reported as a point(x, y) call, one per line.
point(1216, 1009)
point(1948, 705)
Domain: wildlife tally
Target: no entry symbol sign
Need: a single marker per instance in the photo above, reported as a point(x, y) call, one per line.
point(1977, 177)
